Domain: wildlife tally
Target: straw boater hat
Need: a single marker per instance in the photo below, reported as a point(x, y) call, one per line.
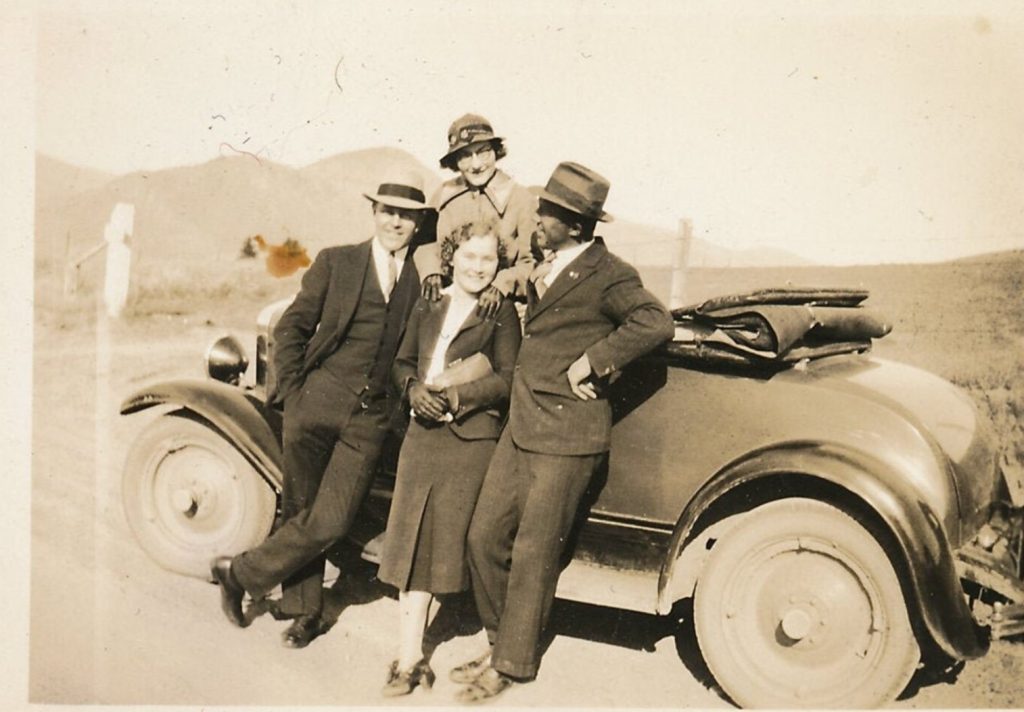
point(402, 189)
point(467, 130)
point(579, 189)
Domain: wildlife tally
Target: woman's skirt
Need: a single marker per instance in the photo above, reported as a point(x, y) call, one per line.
point(436, 488)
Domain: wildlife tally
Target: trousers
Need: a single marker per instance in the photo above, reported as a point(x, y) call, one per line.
point(517, 537)
point(332, 444)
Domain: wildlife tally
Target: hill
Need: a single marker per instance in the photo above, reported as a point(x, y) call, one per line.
point(57, 180)
point(201, 214)
point(652, 246)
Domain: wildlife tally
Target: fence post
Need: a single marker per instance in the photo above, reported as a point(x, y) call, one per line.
point(680, 261)
point(70, 270)
point(119, 258)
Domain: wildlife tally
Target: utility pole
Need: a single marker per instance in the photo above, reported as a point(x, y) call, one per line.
point(680, 262)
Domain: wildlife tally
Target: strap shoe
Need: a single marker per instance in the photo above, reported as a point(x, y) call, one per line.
point(402, 682)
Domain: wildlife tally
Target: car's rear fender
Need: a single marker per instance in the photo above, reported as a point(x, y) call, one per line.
point(917, 544)
point(229, 410)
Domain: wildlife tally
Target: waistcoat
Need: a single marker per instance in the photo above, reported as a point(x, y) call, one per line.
point(368, 348)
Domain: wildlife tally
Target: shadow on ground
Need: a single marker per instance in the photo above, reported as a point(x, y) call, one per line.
point(633, 630)
point(935, 669)
point(356, 584)
point(640, 631)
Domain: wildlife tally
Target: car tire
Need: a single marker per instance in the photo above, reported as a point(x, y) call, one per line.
point(799, 606)
point(190, 495)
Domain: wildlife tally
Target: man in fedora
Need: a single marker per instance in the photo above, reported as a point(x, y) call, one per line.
point(481, 192)
point(335, 345)
point(588, 315)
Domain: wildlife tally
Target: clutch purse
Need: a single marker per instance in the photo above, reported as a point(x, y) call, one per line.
point(464, 370)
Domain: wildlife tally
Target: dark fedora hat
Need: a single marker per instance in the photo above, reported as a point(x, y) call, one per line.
point(467, 130)
point(579, 189)
point(403, 189)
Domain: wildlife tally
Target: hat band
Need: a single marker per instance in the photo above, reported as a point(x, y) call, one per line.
point(469, 134)
point(396, 190)
point(581, 204)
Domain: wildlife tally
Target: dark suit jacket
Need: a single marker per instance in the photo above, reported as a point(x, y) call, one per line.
point(597, 305)
point(481, 403)
point(314, 324)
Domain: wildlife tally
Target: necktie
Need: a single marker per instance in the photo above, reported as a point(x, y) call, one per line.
point(540, 272)
point(392, 276)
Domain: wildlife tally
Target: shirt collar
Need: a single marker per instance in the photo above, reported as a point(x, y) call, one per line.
point(568, 254)
point(498, 190)
point(380, 252)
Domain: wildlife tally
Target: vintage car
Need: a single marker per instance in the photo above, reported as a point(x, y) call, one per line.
point(832, 517)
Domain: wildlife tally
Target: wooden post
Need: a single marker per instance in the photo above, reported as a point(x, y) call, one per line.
point(71, 273)
point(69, 284)
point(680, 261)
point(116, 280)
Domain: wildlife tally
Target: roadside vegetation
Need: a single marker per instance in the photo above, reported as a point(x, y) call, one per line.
point(963, 320)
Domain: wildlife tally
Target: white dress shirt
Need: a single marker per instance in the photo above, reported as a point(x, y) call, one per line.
point(459, 309)
point(380, 261)
point(562, 259)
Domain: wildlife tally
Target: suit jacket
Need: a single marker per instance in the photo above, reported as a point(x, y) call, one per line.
point(597, 305)
point(314, 324)
point(482, 402)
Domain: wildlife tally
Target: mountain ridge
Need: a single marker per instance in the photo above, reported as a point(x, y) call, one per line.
point(205, 211)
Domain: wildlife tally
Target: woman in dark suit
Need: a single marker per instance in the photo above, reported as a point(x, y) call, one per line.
point(450, 440)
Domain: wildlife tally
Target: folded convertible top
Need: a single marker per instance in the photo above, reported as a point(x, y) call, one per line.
point(776, 326)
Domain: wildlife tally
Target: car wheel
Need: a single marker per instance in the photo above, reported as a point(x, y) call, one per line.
point(799, 606)
point(189, 495)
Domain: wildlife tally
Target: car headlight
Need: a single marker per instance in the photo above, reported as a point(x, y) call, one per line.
point(226, 360)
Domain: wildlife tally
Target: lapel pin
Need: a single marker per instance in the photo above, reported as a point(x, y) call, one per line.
point(573, 275)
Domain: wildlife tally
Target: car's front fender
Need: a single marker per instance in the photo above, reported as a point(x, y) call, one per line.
point(229, 410)
point(923, 546)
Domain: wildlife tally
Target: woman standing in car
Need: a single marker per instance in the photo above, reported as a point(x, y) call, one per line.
point(482, 191)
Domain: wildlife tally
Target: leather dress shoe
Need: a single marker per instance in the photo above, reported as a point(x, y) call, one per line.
point(488, 685)
point(402, 682)
point(231, 592)
point(468, 672)
point(302, 631)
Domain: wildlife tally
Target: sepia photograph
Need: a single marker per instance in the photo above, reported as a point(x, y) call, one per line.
point(550, 354)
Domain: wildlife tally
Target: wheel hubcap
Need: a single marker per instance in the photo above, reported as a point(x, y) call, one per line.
point(196, 494)
point(804, 617)
point(796, 624)
point(185, 501)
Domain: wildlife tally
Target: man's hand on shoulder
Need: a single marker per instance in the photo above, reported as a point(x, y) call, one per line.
point(488, 303)
point(431, 287)
point(578, 374)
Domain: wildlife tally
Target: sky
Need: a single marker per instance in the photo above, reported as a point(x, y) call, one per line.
point(846, 133)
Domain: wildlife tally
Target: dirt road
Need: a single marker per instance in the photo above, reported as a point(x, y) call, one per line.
point(110, 627)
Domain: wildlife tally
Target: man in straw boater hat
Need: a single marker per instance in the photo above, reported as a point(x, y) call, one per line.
point(481, 192)
point(334, 348)
point(588, 315)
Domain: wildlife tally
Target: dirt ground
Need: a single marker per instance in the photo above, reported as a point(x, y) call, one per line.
point(110, 627)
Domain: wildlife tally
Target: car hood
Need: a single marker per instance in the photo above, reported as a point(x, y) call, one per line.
point(941, 412)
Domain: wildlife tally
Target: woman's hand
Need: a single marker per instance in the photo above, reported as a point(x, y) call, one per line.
point(427, 403)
